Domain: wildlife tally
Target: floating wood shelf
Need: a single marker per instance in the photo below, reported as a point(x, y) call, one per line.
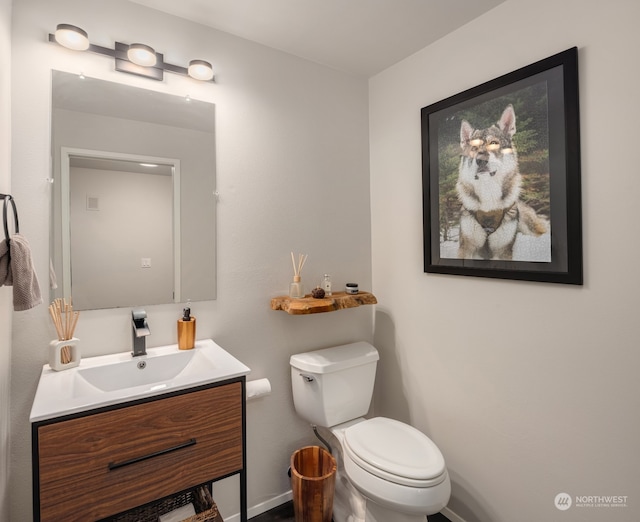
point(331, 303)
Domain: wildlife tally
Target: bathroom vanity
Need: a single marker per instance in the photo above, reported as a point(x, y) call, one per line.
point(99, 460)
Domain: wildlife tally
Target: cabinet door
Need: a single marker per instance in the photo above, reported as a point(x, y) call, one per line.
point(105, 463)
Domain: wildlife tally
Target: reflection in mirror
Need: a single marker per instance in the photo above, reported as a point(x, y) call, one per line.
point(126, 233)
point(107, 192)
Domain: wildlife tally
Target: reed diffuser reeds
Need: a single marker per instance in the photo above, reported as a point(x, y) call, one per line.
point(65, 321)
point(297, 269)
point(296, 289)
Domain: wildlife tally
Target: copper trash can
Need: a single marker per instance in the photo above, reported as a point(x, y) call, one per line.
point(313, 481)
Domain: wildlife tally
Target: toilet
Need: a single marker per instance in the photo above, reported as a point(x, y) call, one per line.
point(387, 470)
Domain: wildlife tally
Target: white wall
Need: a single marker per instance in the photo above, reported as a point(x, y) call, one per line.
point(529, 389)
point(292, 171)
point(5, 292)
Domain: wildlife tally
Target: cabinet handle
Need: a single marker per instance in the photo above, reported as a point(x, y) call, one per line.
point(116, 465)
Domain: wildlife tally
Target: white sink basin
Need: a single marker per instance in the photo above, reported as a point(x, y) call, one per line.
point(111, 379)
point(139, 372)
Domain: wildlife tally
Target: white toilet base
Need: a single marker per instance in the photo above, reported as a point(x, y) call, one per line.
point(348, 504)
point(377, 513)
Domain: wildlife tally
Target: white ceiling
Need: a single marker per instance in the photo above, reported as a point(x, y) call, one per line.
point(361, 37)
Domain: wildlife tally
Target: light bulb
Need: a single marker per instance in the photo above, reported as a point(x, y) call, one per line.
point(142, 54)
point(72, 37)
point(200, 70)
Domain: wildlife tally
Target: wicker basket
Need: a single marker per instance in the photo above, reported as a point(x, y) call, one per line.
point(210, 515)
point(200, 497)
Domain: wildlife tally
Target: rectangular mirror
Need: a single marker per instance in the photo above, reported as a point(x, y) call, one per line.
point(133, 201)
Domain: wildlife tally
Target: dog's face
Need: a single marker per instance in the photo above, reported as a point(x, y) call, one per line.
point(489, 153)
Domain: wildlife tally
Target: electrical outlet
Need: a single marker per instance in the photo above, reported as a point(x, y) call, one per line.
point(145, 262)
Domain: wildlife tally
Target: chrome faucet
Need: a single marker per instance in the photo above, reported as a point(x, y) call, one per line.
point(140, 331)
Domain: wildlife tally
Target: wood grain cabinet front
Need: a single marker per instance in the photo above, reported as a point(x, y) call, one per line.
point(104, 463)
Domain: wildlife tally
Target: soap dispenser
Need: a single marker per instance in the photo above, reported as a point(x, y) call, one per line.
point(186, 330)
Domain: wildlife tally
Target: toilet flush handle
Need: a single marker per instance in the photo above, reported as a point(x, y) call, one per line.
point(307, 378)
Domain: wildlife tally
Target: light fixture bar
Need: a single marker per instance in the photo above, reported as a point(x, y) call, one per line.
point(177, 69)
point(204, 71)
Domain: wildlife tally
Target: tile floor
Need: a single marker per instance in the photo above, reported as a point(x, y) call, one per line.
point(284, 513)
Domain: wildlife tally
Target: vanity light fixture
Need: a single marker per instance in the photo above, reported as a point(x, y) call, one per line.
point(136, 58)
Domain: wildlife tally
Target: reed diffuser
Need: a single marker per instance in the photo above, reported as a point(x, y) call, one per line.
point(63, 352)
point(296, 290)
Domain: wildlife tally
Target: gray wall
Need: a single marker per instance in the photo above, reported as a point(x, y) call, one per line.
point(291, 148)
point(529, 389)
point(134, 221)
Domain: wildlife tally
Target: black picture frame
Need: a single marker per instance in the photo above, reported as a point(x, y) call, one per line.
point(469, 186)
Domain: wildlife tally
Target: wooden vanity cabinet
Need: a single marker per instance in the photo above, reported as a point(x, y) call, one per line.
point(103, 462)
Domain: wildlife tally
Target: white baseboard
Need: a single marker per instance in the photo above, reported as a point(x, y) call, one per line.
point(451, 515)
point(274, 502)
point(263, 507)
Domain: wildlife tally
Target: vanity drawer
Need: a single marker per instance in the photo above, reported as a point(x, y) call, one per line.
point(104, 463)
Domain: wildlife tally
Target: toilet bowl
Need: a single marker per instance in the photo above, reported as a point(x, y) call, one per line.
point(390, 471)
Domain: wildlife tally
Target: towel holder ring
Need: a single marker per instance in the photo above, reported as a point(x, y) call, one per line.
point(9, 199)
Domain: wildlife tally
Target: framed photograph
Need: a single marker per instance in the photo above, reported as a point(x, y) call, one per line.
point(501, 177)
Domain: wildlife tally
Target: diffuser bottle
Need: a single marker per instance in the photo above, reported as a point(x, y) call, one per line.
point(296, 290)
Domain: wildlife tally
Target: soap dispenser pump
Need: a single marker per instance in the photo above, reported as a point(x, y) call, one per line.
point(186, 330)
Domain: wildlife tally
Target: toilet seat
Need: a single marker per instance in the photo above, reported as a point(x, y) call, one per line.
point(396, 452)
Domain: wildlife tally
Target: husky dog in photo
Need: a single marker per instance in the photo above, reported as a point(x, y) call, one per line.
point(488, 187)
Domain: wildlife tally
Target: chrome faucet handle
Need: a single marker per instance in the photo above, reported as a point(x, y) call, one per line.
point(139, 320)
point(140, 331)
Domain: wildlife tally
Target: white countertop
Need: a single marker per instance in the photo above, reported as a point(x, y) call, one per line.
point(67, 391)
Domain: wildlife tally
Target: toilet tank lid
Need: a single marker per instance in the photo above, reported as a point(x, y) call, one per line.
point(335, 358)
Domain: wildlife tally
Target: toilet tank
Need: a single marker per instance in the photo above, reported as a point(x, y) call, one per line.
point(334, 385)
